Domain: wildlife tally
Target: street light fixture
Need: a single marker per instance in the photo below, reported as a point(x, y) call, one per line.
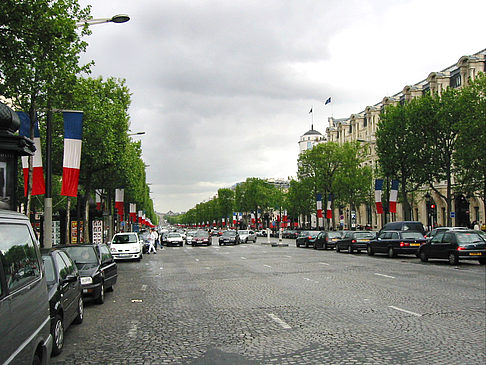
point(120, 18)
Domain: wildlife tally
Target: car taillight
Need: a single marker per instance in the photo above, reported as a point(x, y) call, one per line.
point(460, 248)
point(309, 238)
point(404, 244)
point(353, 241)
point(327, 239)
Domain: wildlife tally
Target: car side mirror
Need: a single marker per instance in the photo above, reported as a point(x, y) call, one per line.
point(70, 279)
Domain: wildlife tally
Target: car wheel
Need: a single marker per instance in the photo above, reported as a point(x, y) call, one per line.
point(369, 251)
point(220, 244)
point(101, 297)
point(297, 244)
point(350, 249)
point(110, 289)
point(338, 249)
point(453, 260)
point(391, 252)
point(482, 261)
point(79, 318)
point(325, 246)
point(423, 256)
point(37, 360)
point(57, 335)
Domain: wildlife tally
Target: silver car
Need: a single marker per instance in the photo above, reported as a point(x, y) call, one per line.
point(247, 235)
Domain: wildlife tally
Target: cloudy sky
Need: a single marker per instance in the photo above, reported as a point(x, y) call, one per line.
point(223, 89)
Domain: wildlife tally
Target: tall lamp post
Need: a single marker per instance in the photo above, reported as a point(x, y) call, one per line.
point(121, 18)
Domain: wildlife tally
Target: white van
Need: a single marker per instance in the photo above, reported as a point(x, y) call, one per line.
point(127, 246)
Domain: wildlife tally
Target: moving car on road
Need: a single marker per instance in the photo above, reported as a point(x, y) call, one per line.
point(396, 242)
point(306, 238)
point(327, 239)
point(97, 268)
point(65, 294)
point(229, 237)
point(174, 239)
point(247, 235)
point(354, 241)
point(201, 238)
point(455, 246)
point(127, 246)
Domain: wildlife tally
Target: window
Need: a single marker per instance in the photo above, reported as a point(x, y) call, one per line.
point(394, 235)
point(455, 80)
point(69, 263)
point(426, 89)
point(62, 267)
point(105, 254)
point(309, 145)
point(448, 237)
point(402, 100)
point(365, 122)
point(437, 238)
point(18, 249)
point(350, 128)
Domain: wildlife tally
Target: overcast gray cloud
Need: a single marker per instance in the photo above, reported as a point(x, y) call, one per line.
point(223, 88)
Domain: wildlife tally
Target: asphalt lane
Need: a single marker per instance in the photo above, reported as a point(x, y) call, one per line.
point(257, 304)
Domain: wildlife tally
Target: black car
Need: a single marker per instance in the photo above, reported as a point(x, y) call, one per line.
point(97, 268)
point(327, 239)
point(404, 226)
point(306, 238)
point(455, 246)
point(396, 242)
point(65, 294)
point(229, 237)
point(354, 241)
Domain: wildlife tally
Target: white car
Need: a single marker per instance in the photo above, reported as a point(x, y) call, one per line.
point(175, 238)
point(126, 246)
point(246, 235)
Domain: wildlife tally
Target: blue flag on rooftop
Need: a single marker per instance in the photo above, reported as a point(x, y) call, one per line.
point(328, 101)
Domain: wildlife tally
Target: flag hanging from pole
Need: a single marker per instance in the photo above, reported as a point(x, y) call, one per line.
point(319, 205)
point(73, 134)
point(133, 211)
point(310, 111)
point(38, 183)
point(140, 214)
point(393, 196)
point(98, 195)
point(328, 101)
point(329, 210)
point(119, 195)
point(378, 192)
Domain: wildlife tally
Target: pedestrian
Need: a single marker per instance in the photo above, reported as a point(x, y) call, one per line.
point(476, 226)
point(157, 239)
point(151, 241)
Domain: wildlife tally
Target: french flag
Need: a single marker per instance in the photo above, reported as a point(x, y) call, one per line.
point(98, 194)
point(393, 196)
point(378, 192)
point(73, 134)
point(319, 205)
point(38, 183)
point(119, 205)
point(140, 213)
point(234, 218)
point(329, 210)
point(223, 222)
point(133, 211)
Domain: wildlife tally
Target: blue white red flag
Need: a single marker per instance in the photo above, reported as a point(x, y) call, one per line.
point(393, 196)
point(328, 101)
point(329, 210)
point(319, 205)
point(73, 134)
point(38, 183)
point(378, 192)
point(119, 201)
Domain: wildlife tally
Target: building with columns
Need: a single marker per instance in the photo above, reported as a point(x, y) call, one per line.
point(362, 127)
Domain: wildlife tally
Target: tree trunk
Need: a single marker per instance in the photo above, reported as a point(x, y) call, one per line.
point(405, 203)
point(68, 220)
point(86, 219)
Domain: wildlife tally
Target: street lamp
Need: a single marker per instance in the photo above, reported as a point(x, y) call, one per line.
point(121, 18)
point(136, 134)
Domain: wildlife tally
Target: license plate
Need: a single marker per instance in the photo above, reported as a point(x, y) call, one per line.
point(475, 254)
point(226, 241)
point(415, 244)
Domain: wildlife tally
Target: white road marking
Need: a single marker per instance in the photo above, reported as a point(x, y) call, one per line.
point(404, 310)
point(314, 281)
point(144, 287)
point(288, 256)
point(385, 276)
point(243, 258)
point(161, 268)
point(132, 332)
point(324, 263)
point(279, 321)
point(267, 266)
point(197, 260)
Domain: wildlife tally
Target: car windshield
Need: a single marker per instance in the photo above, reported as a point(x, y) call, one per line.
point(49, 269)
point(82, 254)
point(412, 235)
point(364, 235)
point(229, 233)
point(334, 235)
point(468, 237)
point(244, 232)
point(174, 235)
point(304, 233)
point(201, 234)
point(125, 238)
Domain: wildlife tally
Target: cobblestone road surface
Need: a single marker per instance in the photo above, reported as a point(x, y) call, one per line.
point(257, 304)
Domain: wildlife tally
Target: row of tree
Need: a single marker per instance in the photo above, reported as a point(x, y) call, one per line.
point(434, 138)
point(40, 44)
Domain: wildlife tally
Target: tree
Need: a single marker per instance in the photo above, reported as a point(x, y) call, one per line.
point(225, 203)
point(470, 152)
point(299, 199)
point(39, 53)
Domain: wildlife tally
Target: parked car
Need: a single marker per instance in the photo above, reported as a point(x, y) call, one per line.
point(247, 235)
point(455, 246)
point(201, 238)
point(396, 242)
point(306, 238)
point(404, 226)
point(262, 233)
point(24, 304)
point(432, 233)
point(97, 268)
point(354, 241)
point(65, 294)
point(229, 237)
point(174, 239)
point(126, 246)
point(327, 239)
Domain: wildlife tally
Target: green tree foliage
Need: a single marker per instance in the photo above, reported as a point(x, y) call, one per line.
point(225, 203)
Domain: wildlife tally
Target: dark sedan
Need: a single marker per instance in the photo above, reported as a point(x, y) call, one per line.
point(97, 268)
point(229, 238)
point(306, 238)
point(396, 242)
point(327, 239)
point(354, 241)
point(65, 294)
point(201, 238)
point(455, 246)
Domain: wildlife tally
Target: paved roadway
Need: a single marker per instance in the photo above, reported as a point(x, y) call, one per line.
point(257, 304)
